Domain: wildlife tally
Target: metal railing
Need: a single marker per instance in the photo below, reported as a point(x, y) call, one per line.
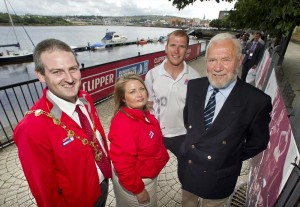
point(15, 100)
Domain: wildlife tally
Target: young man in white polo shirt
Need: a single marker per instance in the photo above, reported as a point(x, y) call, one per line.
point(167, 85)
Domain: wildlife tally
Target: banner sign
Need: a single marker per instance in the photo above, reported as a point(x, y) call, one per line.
point(140, 68)
point(269, 170)
point(99, 80)
point(262, 70)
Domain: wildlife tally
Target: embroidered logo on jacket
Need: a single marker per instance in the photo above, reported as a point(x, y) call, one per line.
point(151, 134)
point(67, 140)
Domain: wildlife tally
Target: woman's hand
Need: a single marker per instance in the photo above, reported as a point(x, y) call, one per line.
point(143, 197)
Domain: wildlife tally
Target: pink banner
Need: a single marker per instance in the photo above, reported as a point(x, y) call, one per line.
point(270, 169)
point(262, 70)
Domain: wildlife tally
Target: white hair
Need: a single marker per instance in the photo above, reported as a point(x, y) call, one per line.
point(225, 36)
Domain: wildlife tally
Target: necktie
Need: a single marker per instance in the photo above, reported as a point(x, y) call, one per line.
point(209, 110)
point(100, 157)
point(253, 46)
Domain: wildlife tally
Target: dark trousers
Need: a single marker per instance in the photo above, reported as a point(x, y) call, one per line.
point(102, 199)
point(173, 143)
point(246, 68)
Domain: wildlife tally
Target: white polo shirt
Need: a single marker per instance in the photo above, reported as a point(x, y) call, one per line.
point(168, 96)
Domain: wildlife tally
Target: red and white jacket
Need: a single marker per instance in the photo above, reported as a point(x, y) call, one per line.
point(60, 171)
point(136, 148)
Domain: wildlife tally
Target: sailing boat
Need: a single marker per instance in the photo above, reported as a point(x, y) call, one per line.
point(17, 56)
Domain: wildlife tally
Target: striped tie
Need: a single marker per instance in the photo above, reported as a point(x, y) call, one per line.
point(210, 109)
point(103, 161)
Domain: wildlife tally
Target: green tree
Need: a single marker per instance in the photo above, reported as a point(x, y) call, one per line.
point(276, 17)
point(180, 4)
point(216, 23)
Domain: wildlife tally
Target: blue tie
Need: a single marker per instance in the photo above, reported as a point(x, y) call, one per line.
point(209, 110)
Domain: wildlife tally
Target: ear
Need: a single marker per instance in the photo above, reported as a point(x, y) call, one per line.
point(40, 77)
point(241, 59)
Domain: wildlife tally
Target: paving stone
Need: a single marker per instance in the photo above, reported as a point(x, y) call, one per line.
point(27, 204)
point(165, 199)
point(2, 161)
point(6, 185)
point(5, 177)
point(2, 194)
point(11, 198)
point(9, 203)
point(33, 205)
point(11, 180)
point(23, 194)
point(21, 176)
point(171, 203)
point(3, 170)
point(24, 201)
point(1, 183)
point(162, 183)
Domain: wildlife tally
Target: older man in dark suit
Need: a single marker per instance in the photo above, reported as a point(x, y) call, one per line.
point(253, 51)
point(227, 122)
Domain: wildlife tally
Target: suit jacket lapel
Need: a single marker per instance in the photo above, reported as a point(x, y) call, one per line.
point(198, 99)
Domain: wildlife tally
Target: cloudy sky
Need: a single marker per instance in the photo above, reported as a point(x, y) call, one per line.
point(209, 9)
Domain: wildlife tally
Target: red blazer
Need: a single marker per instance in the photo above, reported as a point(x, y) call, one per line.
point(58, 173)
point(136, 148)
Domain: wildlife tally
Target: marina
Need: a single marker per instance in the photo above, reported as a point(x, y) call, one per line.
point(85, 35)
point(17, 54)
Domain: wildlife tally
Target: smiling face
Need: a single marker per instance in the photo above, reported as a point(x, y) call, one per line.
point(222, 63)
point(136, 95)
point(62, 74)
point(176, 49)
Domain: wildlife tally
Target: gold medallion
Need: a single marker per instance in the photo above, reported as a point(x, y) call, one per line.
point(98, 155)
point(56, 121)
point(84, 141)
point(71, 133)
point(38, 112)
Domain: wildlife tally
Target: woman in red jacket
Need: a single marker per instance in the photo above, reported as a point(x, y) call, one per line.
point(136, 149)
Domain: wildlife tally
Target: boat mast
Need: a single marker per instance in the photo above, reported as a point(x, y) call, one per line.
point(12, 23)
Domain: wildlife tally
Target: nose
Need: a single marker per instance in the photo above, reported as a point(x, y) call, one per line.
point(139, 93)
point(68, 77)
point(219, 65)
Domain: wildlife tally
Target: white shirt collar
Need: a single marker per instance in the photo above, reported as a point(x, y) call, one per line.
point(224, 91)
point(162, 70)
point(65, 106)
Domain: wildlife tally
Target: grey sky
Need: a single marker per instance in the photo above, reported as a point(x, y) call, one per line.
point(116, 8)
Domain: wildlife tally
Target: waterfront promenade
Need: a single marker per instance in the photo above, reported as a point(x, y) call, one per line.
point(14, 190)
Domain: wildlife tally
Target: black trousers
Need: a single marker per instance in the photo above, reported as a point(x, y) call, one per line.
point(245, 69)
point(173, 143)
point(102, 199)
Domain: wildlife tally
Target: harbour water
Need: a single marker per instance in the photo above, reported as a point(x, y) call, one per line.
point(77, 36)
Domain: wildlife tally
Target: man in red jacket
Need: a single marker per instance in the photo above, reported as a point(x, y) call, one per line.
point(61, 143)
